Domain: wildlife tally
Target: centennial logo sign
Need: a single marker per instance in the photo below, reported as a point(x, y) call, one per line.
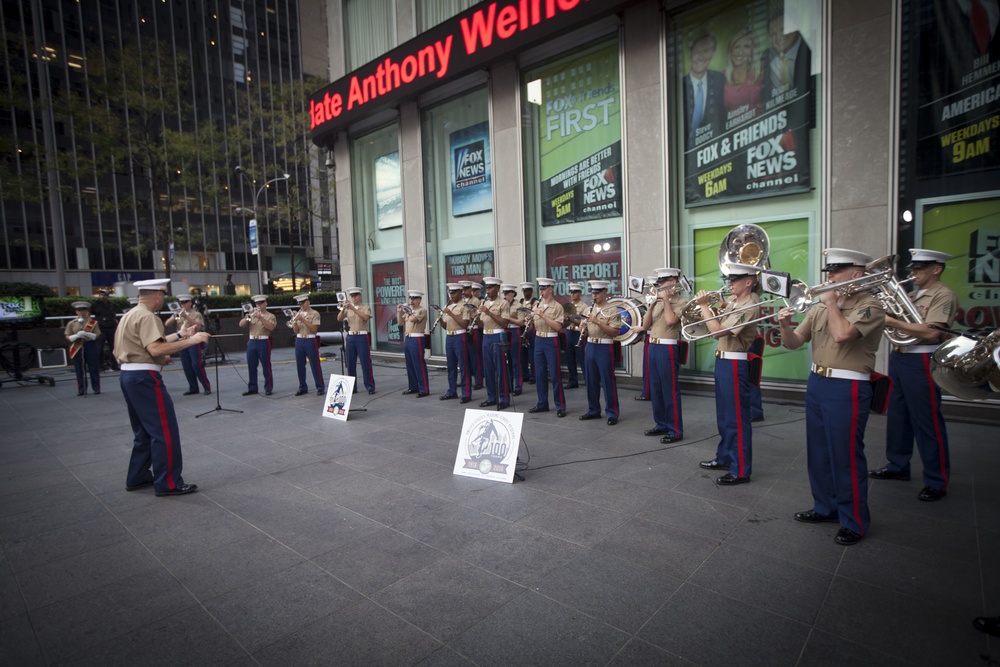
point(488, 446)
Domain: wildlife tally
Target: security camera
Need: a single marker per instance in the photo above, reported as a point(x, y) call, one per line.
point(329, 163)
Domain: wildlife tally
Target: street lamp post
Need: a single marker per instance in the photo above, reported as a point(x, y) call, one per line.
point(256, 208)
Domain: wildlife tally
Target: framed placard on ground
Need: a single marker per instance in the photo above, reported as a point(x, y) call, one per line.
point(339, 391)
point(488, 446)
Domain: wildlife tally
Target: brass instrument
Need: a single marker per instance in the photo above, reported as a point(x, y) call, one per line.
point(895, 301)
point(341, 300)
point(966, 366)
point(693, 326)
point(247, 311)
point(178, 313)
point(406, 309)
point(292, 315)
point(744, 244)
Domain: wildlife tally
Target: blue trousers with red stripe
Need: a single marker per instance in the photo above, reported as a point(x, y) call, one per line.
point(836, 415)
point(156, 441)
point(664, 390)
point(416, 367)
point(259, 351)
point(574, 357)
point(308, 348)
point(193, 363)
point(546, 363)
point(514, 358)
point(645, 393)
point(456, 351)
point(475, 341)
point(599, 362)
point(496, 368)
point(915, 412)
point(732, 415)
point(91, 354)
point(358, 346)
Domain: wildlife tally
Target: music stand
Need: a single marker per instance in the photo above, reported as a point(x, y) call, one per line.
point(218, 406)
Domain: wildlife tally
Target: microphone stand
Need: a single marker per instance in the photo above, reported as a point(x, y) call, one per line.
point(218, 406)
point(501, 351)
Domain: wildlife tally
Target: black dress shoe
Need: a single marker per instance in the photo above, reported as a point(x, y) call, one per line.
point(811, 516)
point(655, 431)
point(988, 624)
point(729, 480)
point(641, 398)
point(756, 419)
point(371, 391)
point(447, 397)
point(477, 386)
point(885, 473)
point(140, 485)
point(267, 393)
point(847, 537)
point(530, 381)
point(667, 439)
point(486, 404)
point(517, 393)
point(80, 393)
point(409, 391)
point(502, 406)
point(561, 413)
point(97, 392)
point(179, 491)
point(572, 386)
point(208, 392)
point(612, 421)
point(321, 392)
point(422, 394)
point(186, 393)
point(300, 392)
point(584, 417)
point(537, 409)
point(930, 494)
point(465, 399)
point(713, 465)
point(249, 392)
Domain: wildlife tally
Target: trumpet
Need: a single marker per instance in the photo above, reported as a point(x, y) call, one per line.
point(292, 315)
point(247, 311)
point(406, 309)
point(177, 311)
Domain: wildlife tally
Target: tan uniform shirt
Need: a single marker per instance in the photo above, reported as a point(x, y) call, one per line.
point(355, 321)
point(312, 317)
point(867, 316)
point(610, 313)
point(256, 328)
point(75, 326)
point(473, 316)
point(459, 310)
point(574, 309)
point(498, 307)
point(659, 328)
point(936, 304)
point(420, 325)
point(138, 328)
point(553, 310)
point(740, 339)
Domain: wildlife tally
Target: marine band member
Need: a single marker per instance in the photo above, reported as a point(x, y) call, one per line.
point(414, 326)
point(515, 328)
point(358, 340)
point(83, 349)
point(494, 313)
point(455, 317)
point(305, 324)
point(574, 350)
point(602, 326)
point(192, 359)
point(546, 321)
point(662, 324)
point(260, 324)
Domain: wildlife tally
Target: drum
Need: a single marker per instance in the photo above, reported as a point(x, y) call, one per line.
point(631, 312)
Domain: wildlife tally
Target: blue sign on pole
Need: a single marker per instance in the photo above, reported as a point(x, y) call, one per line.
point(253, 237)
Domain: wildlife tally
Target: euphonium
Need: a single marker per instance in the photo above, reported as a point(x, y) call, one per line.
point(691, 319)
point(895, 301)
point(966, 367)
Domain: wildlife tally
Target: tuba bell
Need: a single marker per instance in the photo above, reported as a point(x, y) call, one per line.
point(744, 244)
point(967, 367)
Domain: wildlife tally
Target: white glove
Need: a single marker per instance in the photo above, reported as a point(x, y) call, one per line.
point(89, 335)
point(74, 337)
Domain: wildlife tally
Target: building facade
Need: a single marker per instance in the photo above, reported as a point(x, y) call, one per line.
point(223, 54)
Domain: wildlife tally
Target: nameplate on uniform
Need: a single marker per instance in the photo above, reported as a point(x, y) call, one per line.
point(339, 391)
point(488, 445)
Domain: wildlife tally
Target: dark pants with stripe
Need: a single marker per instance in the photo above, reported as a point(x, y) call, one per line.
point(358, 346)
point(836, 415)
point(599, 360)
point(915, 412)
point(156, 439)
point(547, 368)
point(474, 339)
point(456, 351)
point(574, 357)
point(664, 390)
point(645, 393)
point(514, 358)
point(308, 348)
point(416, 367)
point(91, 354)
point(259, 351)
point(496, 368)
point(193, 363)
point(732, 415)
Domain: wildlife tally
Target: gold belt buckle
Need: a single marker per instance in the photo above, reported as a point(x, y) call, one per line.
point(822, 370)
point(718, 354)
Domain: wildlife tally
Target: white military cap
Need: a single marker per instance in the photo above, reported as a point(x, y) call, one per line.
point(415, 294)
point(667, 273)
point(530, 286)
point(466, 284)
point(508, 287)
point(299, 298)
point(598, 285)
point(77, 305)
point(353, 290)
point(184, 297)
point(922, 256)
point(492, 281)
point(575, 287)
point(545, 282)
point(737, 270)
point(454, 287)
point(840, 257)
point(155, 283)
point(258, 298)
